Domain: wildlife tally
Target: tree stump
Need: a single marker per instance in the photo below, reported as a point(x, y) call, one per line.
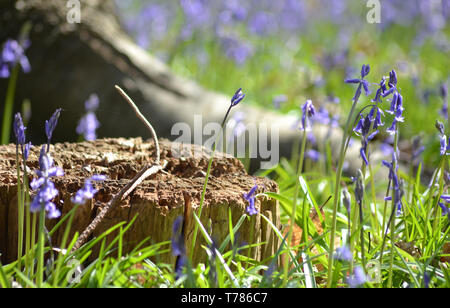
point(158, 201)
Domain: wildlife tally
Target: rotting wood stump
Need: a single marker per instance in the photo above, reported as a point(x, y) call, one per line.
point(158, 201)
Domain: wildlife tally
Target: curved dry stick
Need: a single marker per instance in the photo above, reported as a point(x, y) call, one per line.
point(138, 178)
point(143, 119)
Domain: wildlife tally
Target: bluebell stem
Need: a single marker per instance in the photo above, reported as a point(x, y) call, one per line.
point(357, 279)
point(50, 126)
point(88, 191)
point(46, 188)
point(250, 197)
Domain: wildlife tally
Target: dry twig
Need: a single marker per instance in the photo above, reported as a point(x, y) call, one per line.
point(147, 171)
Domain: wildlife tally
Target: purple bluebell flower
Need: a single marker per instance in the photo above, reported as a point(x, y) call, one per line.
point(381, 90)
point(278, 100)
point(26, 150)
point(250, 197)
point(88, 191)
point(322, 116)
point(362, 83)
point(13, 53)
point(46, 189)
point(443, 145)
point(178, 246)
point(426, 280)
point(445, 209)
point(19, 129)
point(236, 49)
point(262, 23)
point(88, 123)
point(357, 279)
point(237, 97)
point(313, 155)
point(344, 254)
point(346, 199)
point(446, 198)
point(50, 125)
point(308, 111)
point(397, 184)
point(92, 103)
point(440, 127)
point(444, 95)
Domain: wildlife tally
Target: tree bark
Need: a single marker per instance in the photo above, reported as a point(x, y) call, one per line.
point(158, 201)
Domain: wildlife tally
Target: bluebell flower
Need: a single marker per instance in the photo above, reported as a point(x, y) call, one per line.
point(446, 198)
point(346, 199)
point(444, 95)
point(50, 125)
point(445, 209)
point(426, 280)
point(308, 111)
point(46, 189)
point(262, 23)
point(237, 97)
point(178, 246)
point(278, 100)
point(343, 254)
point(357, 279)
point(13, 53)
point(92, 103)
point(250, 197)
point(443, 145)
point(19, 129)
point(362, 83)
point(397, 184)
point(88, 191)
point(88, 123)
point(313, 155)
point(26, 150)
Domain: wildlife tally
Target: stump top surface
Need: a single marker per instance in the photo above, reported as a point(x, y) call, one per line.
point(120, 159)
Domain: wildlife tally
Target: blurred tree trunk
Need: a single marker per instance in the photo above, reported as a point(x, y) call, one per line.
point(71, 61)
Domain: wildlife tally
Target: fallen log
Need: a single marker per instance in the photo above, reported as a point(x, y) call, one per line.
point(157, 201)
